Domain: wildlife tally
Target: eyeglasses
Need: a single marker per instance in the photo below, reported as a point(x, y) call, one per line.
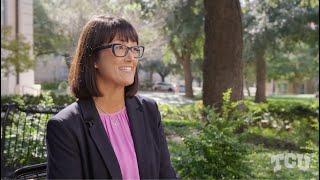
point(120, 50)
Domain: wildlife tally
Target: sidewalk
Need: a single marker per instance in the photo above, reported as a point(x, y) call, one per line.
point(166, 97)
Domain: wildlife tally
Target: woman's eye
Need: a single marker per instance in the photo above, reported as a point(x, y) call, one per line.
point(136, 49)
point(120, 47)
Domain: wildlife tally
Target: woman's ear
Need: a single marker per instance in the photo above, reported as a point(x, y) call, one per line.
point(95, 66)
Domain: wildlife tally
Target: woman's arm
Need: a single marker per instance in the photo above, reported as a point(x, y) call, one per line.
point(62, 152)
point(166, 169)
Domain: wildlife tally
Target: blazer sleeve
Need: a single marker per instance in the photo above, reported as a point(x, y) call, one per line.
point(63, 160)
point(166, 169)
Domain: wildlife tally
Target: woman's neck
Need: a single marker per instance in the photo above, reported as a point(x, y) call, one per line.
point(112, 99)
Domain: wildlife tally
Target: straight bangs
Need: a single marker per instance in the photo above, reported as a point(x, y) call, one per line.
point(124, 32)
point(116, 28)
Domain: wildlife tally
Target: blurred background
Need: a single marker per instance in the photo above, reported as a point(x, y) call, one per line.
point(237, 82)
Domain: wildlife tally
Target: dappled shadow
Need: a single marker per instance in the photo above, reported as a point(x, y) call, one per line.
point(273, 143)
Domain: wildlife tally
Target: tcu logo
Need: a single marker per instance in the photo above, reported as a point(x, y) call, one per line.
point(291, 160)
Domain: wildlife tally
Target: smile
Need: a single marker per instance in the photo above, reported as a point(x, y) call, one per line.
point(126, 68)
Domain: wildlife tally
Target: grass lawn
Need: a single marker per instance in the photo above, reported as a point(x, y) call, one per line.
point(296, 98)
point(263, 168)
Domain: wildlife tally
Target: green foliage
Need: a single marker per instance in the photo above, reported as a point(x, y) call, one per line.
point(184, 27)
point(25, 131)
point(305, 131)
point(282, 110)
point(216, 152)
point(47, 39)
point(24, 143)
point(296, 63)
point(163, 69)
point(293, 110)
point(263, 169)
point(69, 17)
point(44, 99)
point(284, 118)
point(180, 128)
point(287, 32)
point(159, 66)
point(267, 21)
point(50, 85)
point(313, 147)
point(16, 53)
point(209, 152)
point(188, 112)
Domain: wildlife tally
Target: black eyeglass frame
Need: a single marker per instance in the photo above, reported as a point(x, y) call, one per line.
point(106, 46)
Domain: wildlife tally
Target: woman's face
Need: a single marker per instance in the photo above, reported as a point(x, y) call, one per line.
point(119, 71)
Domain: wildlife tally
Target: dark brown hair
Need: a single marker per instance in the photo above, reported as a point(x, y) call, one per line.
point(99, 30)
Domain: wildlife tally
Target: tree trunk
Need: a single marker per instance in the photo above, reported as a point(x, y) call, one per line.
point(151, 76)
point(222, 66)
point(260, 77)
point(187, 77)
point(162, 78)
point(17, 89)
point(17, 78)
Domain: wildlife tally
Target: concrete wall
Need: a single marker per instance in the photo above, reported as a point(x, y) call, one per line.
point(51, 68)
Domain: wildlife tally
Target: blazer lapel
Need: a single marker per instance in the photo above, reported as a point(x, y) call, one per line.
point(137, 127)
point(99, 136)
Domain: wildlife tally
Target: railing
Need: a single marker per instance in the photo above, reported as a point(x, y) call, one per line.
point(23, 135)
point(37, 171)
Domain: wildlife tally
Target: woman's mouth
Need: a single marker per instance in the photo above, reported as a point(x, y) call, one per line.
point(126, 68)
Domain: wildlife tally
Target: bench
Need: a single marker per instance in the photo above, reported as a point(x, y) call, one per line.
point(23, 147)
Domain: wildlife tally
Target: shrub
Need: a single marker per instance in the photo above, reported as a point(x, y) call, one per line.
point(181, 112)
point(47, 98)
point(216, 152)
point(292, 110)
point(281, 113)
point(50, 85)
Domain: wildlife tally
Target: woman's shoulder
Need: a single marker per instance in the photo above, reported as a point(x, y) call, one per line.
point(145, 100)
point(69, 113)
point(149, 105)
point(65, 123)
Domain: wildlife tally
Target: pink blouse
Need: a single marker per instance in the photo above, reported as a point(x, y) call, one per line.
point(117, 128)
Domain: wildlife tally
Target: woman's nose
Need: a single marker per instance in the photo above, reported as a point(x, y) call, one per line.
point(130, 56)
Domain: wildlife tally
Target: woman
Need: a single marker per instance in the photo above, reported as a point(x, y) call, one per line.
point(109, 132)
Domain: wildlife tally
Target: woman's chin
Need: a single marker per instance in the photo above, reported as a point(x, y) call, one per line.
point(127, 83)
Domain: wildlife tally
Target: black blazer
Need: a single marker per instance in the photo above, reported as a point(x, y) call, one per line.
point(78, 146)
